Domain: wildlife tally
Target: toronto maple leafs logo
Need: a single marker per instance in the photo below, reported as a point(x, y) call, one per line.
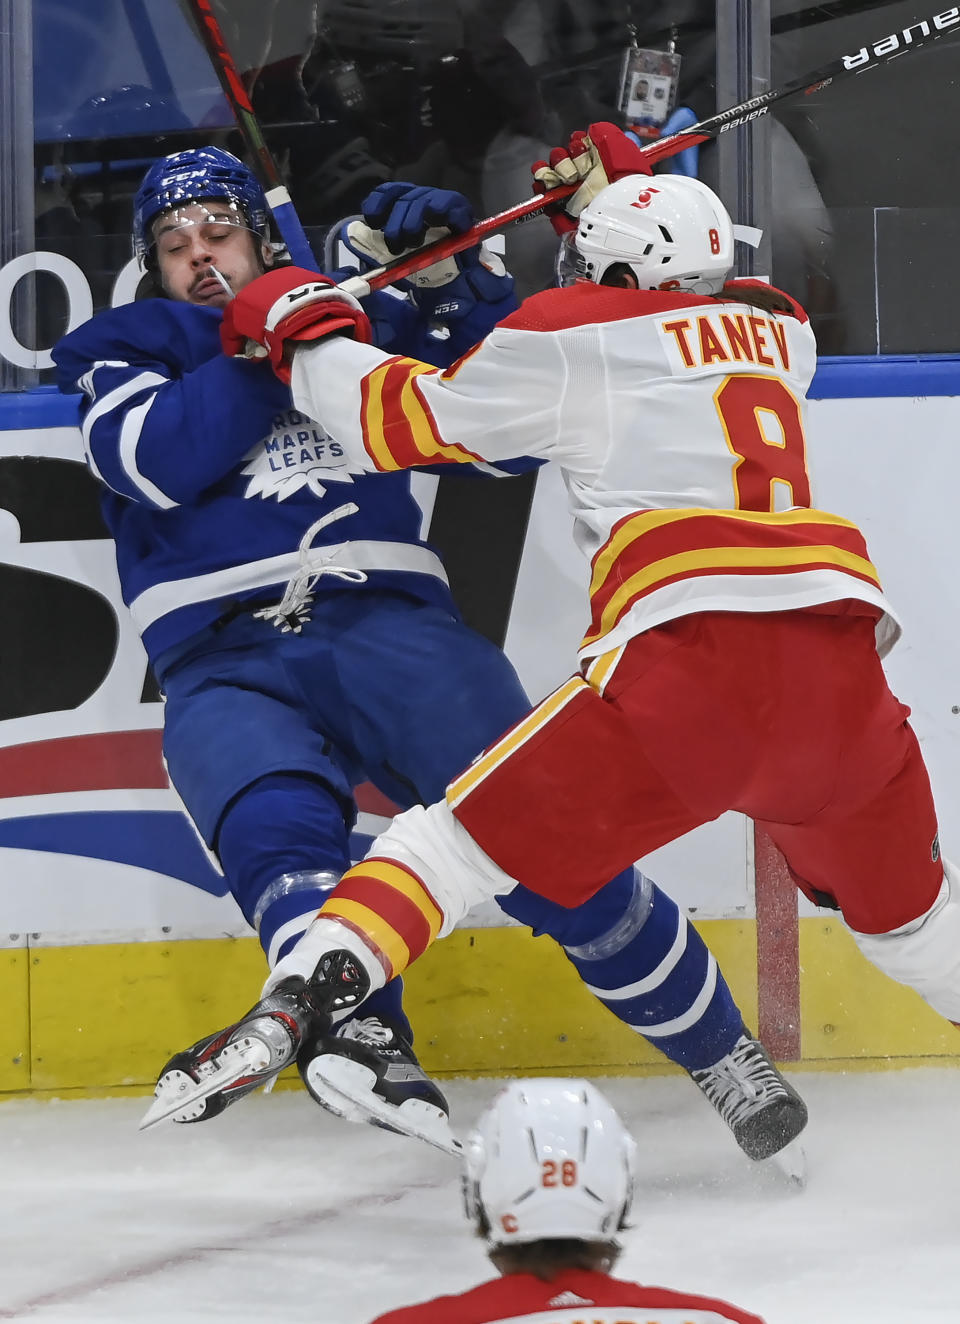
point(296, 453)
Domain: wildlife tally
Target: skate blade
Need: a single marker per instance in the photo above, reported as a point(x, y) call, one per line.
point(791, 1161)
point(334, 1102)
point(332, 1075)
point(177, 1094)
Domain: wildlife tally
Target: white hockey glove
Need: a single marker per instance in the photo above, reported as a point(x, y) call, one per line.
point(370, 248)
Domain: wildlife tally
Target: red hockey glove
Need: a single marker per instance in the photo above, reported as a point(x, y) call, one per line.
point(285, 306)
point(595, 158)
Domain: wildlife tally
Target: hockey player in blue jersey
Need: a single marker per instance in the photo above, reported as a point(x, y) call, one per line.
point(306, 640)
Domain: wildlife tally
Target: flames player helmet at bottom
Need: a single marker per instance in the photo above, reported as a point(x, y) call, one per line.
point(549, 1159)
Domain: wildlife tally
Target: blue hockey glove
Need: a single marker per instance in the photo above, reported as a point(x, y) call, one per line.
point(406, 213)
point(399, 216)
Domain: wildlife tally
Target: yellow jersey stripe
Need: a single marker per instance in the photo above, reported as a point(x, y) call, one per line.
point(602, 668)
point(717, 559)
point(636, 526)
point(513, 740)
point(373, 419)
point(407, 884)
point(423, 434)
point(374, 928)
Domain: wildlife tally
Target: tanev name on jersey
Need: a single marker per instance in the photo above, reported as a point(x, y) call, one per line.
point(729, 338)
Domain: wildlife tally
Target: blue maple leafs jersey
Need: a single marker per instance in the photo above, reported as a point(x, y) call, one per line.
point(212, 478)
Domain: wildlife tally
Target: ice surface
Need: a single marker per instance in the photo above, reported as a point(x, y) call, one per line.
point(277, 1212)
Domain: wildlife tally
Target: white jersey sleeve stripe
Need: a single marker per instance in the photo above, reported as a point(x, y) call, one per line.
point(110, 401)
point(113, 399)
point(129, 438)
point(693, 1013)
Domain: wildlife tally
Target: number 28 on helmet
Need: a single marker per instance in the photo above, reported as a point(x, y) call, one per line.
point(549, 1159)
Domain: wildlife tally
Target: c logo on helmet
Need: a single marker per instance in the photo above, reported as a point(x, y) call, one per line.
point(645, 198)
point(509, 1223)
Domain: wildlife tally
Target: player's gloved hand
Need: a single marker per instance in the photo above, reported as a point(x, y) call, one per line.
point(286, 306)
point(594, 159)
point(398, 217)
point(405, 214)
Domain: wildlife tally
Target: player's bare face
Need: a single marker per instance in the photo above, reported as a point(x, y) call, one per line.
point(193, 239)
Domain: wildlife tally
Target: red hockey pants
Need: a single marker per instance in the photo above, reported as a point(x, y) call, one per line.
point(786, 717)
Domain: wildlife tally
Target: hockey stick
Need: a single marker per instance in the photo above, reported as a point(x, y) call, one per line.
point(870, 56)
point(880, 51)
point(278, 199)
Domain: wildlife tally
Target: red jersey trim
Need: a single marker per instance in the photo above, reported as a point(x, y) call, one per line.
point(651, 549)
point(517, 1296)
point(748, 283)
point(397, 425)
point(390, 907)
point(585, 303)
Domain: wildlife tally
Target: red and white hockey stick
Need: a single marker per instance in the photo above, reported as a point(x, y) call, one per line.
point(870, 56)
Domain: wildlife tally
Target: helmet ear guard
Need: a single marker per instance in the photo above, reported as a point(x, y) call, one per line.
point(671, 231)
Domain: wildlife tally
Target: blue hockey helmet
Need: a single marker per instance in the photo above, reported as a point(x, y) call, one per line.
point(190, 176)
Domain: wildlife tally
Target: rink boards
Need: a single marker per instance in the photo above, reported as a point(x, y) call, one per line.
point(118, 945)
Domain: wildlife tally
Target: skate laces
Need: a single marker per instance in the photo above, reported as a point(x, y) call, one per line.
point(369, 1030)
point(292, 612)
point(742, 1083)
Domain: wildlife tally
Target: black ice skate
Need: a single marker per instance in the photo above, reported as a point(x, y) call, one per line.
point(763, 1110)
point(201, 1081)
point(366, 1071)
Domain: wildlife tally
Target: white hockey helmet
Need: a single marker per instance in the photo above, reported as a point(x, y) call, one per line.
point(549, 1158)
point(671, 231)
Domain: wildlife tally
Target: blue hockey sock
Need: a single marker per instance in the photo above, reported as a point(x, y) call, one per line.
point(654, 972)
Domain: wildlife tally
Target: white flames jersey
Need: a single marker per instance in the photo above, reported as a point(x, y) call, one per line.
point(678, 421)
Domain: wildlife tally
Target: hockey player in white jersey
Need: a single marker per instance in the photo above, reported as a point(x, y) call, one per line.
point(548, 1183)
point(227, 527)
point(733, 656)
